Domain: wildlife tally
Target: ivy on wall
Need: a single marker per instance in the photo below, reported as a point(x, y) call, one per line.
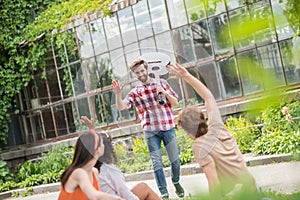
point(28, 29)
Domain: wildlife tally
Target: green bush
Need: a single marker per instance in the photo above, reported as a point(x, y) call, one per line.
point(273, 118)
point(9, 185)
point(5, 175)
point(54, 161)
point(277, 142)
point(185, 147)
point(280, 129)
point(244, 132)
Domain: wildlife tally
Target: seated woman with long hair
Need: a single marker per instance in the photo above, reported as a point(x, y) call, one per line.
point(79, 181)
point(111, 179)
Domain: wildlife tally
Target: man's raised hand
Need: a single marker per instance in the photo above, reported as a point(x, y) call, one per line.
point(117, 88)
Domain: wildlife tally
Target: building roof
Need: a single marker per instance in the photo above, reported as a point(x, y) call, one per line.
point(117, 5)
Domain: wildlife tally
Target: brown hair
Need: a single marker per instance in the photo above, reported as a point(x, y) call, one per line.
point(193, 121)
point(138, 63)
point(83, 153)
point(109, 156)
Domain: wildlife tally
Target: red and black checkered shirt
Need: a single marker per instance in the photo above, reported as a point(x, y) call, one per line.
point(152, 115)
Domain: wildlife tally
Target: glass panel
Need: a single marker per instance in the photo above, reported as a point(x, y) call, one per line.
point(98, 36)
point(104, 71)
point(183, 45)
point(65, 82)
point(195, 10)
point(83, 110)
point(110, 106)
point(247, 62)
point(283, 27)
point(89, 68)
point(127, 25)
point(175, 85)
point(261, 12)
point(60, 120)
point(147, 46)
point(112, 32)
point(53, 84)
point(164, 45)
point(158, 15)
point(270, 60)
point(208, 75)
point(201, 40)
point(37, 128)
point(77, 78)
point(120, 116)
point(132, 52)
point(32, 92)
point(72, 49)
point(142, 19)
point(290, 50)
point(118, 64)
point(42, 89)
point(177, 13)
point(84, 37)
point(220, 35)
point(59, 55)
point(71, 112)
point(239, 18)
point(24, 100)
point(229, 79)
point(232, 4)
point(102, 116)
point(48, 123)
point(214, 8)
point(31, 134)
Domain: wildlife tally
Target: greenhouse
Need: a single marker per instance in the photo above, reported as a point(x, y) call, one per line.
point(76, 78)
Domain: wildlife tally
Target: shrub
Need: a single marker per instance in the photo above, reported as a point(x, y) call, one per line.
point(244, 132)
point(56, 160)
point(5, 175)
point(282, 117)
point(280, 129)
point(185, 147)
point(277, 142)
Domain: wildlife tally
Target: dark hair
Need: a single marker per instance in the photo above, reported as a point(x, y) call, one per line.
point(109, 156)
point(84, 152)
point(138, 63)
point(193, 121)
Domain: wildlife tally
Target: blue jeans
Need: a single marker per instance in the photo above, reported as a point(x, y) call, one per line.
point(153, 140)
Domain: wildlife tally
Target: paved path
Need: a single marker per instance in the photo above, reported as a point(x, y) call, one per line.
point(281, 177)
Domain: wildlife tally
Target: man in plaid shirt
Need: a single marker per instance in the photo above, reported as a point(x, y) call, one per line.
point(157, 121)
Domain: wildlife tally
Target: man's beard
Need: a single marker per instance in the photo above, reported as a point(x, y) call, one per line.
point(143, 79)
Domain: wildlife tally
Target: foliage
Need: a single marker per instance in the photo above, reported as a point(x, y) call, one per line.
point(248, 196)
point(46, 169)
point(26, 37)
point(52, 162)
point(292, 12)
point(277, 142)
point(138, 161)
point(280, 129)
point(9, 185)
point(272, 118)
point(185, 147)
point(5, 175)
point(244, 131)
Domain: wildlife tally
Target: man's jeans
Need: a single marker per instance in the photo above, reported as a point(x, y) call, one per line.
point(153, 139)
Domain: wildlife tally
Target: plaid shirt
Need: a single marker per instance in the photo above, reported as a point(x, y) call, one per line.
point(152, 115)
